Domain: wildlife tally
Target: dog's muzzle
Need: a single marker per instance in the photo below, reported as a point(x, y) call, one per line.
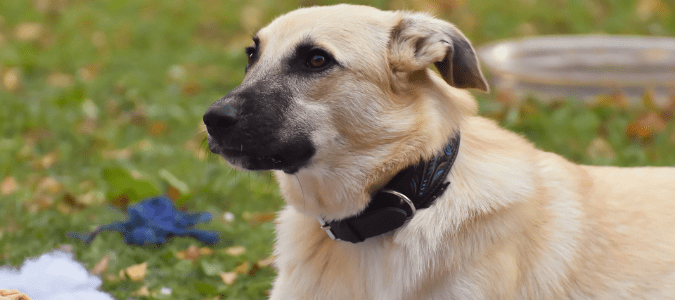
point(250, 134)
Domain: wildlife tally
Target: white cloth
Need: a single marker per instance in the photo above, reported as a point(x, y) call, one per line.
point(53, 276)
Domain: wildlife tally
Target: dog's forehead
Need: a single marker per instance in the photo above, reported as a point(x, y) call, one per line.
point(346, 26)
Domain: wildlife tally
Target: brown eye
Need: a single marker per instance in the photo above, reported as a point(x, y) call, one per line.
point(250, 58)
point(317, 61)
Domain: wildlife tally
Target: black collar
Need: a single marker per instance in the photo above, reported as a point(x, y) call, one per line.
point(414, 188)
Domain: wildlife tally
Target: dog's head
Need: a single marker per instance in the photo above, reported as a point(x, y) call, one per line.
point(343, 85)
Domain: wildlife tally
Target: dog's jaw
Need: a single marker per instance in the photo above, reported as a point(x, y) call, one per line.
point(287, 158)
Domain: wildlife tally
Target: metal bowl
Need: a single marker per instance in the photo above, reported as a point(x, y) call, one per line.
point(584, 67)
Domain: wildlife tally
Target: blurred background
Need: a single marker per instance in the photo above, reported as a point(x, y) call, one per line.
point(101, 105)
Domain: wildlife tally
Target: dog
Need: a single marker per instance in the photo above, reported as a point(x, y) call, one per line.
point(396, 189)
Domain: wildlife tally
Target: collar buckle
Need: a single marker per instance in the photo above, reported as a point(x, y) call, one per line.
point(326, 227)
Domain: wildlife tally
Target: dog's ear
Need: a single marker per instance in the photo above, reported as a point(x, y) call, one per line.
point(420, 40)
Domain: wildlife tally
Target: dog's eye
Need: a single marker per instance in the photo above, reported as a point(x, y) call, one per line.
point(317, 59)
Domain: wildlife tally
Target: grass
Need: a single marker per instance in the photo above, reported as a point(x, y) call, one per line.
point(91, 88)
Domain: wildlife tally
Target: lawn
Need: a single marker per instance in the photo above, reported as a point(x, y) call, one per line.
point(102, 104)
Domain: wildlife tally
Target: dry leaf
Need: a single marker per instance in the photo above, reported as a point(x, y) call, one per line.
point(600, 148)
point(259, 217)
point(191, 89)
point(645, 126)
point(28, 31)
point(111, 277)
point(101, 266)
point(617, 99)
point(91, 198)
point(11, 80)
point(192, 253)
point(137, 272)
point(60, 80)
point(142, 292)
point(235, 250)
point(88, 72)
point(228, 278)
point(506, 96)
point(121, 201)
point(254, 269)
point(157, 128)
point(8, 186)
point(6, 294)
point(242, 269)
point(49, 185)
point(266, 262)
point(648, 8)
point(173, 193)
point(205, 251)
point(70, 200)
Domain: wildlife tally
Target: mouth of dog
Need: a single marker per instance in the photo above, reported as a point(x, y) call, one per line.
point(289, 158)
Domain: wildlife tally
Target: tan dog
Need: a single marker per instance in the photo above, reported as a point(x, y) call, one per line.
point(340, 99)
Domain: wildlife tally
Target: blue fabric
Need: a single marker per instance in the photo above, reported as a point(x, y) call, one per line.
point(153, 221)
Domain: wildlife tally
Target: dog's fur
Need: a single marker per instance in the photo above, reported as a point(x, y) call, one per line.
point(515, 222)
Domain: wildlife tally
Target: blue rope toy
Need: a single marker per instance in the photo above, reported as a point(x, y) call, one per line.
point(154, 220)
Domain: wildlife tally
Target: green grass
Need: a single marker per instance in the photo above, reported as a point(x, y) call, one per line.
point(103, 85)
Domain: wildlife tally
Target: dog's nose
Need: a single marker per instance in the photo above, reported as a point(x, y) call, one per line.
point(221, 115)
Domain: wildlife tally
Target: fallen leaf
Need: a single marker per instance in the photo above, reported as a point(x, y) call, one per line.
point(121, 201)
point(506, 96)
point(173, 193)
point(646, 9)
point(137, 272)
point(205, 251)
point(88, 72)
point(266, 262)
point(63, 208)
point(191, 89)
point(142, 292)
point(46, 161)
point(254, 269)
point(11, 80)
point(242, 269)
point(28, 32)
point(259, 217)
point(101, 266)
point(111, 277)
point(60, 80)
point(600, 148)
point(70, 200)
point(228, 278)
point(617, 99)
point(91, 198)
point(8, 186)
point(645, 126)
point(98, 39)
point(49, 185)
point(235, 250)
point(157, 128)
point(648, 100)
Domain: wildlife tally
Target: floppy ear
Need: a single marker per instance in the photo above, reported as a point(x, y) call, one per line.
point(420, 40)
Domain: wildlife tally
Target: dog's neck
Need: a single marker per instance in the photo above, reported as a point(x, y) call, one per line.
point(416, 187)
